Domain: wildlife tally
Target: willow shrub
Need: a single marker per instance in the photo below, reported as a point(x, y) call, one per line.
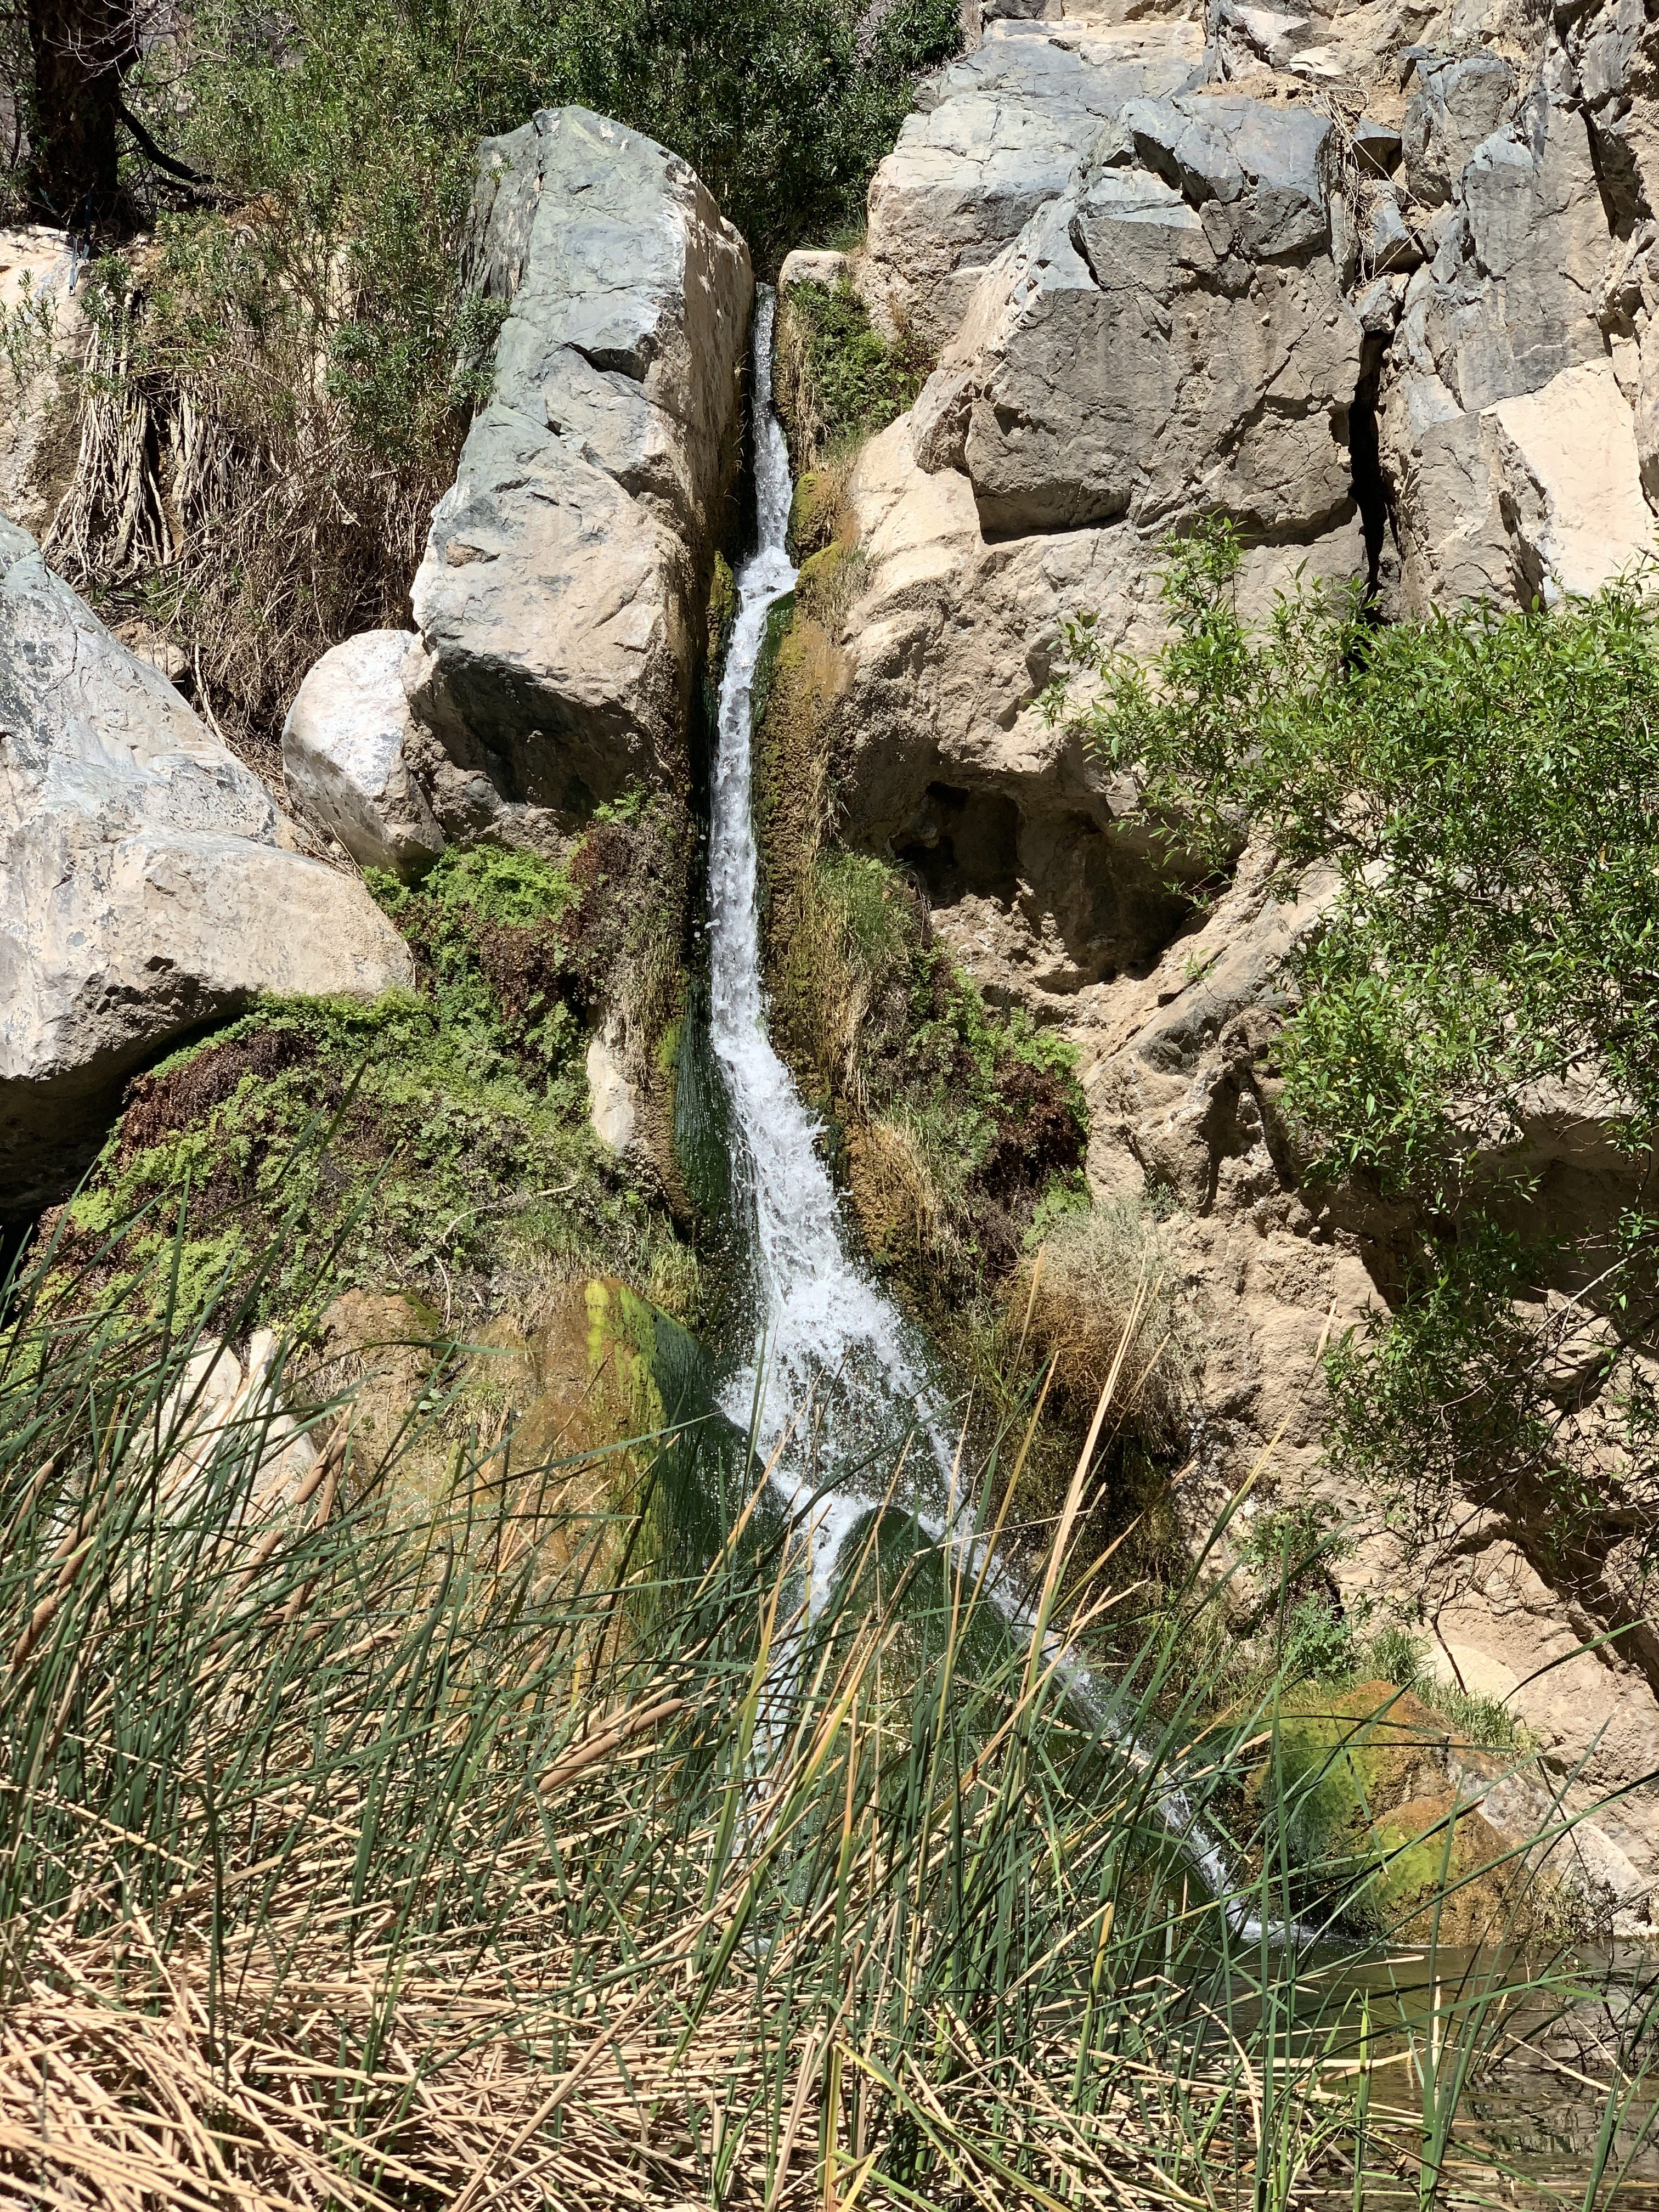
point(1483, 787)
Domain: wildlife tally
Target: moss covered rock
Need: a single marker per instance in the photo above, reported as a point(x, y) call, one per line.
point(436, 1143)
point(1445, 1872)
point(1345, 1757)
point(813, 512)
point(1368, 1780)
point(837, 380)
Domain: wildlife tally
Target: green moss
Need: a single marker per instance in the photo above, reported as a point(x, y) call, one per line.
point(830, 582)
point(436, 1140)
point(722, 608)
point(812, 512)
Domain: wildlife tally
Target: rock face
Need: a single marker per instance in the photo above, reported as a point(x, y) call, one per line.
point(1135, 354)
point(1384, 289)
point(346, 748)
point(1507, 329)
point(994, 138)
point(145, 888)
point(948, 762)
point(560, 602)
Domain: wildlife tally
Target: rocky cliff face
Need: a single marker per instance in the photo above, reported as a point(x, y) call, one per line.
point(1377, 283)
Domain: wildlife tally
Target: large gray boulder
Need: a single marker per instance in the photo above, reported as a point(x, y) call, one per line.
point(560, 601)
point(145, 885)
point(1168, 338)
point(993, 139)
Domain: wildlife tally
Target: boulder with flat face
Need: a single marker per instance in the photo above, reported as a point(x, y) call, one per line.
point(147, 883)
point(1511, 431)
point(560, 601)
point(1166, 339)
point(994, 138)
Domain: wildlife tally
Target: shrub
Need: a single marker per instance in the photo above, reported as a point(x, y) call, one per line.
point(838, 380)
point(1483, 786)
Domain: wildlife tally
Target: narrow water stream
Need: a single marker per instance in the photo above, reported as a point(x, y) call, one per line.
point(837, 1373)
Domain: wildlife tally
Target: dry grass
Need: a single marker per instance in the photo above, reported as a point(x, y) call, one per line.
point(227, 503)
point(1096, 1268)
point(497, 1860)
point(893, 1187)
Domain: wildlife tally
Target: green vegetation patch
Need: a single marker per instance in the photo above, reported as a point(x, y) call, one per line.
point(486, 1770)
point(435, 1141)
point(838, 380)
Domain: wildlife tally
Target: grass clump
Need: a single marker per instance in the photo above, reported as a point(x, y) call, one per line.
point(356, 1862)
point(459, 1165)
point(1099, 1288)
point(837, 380)
point(954, 1122)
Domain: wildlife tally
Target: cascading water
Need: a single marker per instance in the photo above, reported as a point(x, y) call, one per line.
point(835, 1372)
point(843, 1376)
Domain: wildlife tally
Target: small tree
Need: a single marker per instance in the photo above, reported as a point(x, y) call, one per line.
point(66, 63)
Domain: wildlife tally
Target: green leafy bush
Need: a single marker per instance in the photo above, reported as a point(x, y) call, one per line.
point(1484, 788)
point(1484, 784)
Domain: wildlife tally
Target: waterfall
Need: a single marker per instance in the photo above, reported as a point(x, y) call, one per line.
point(835, 1371)
point(835, 1376)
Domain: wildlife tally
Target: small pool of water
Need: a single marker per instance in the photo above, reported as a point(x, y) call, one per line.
point(1554, 2063)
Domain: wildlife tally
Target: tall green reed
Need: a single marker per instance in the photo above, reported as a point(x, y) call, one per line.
point(526, 1851)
